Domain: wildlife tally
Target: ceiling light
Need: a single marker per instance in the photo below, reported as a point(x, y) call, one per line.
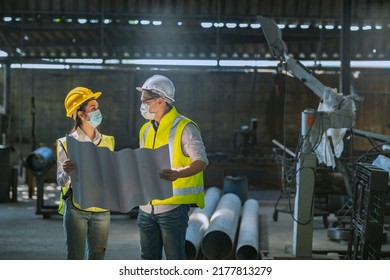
point(206, 24)
point(3, 54)
point(367, 27)
point(231, 25)
point(354, 28)
point(82, 20)
point(329, 26)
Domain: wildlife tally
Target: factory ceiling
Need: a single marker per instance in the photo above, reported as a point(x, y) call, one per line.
point(189, 29)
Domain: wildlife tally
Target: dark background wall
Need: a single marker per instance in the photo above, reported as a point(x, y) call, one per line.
point(220, 102)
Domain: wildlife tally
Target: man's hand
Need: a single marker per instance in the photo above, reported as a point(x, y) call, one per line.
point(169, 174)
point(186, 171)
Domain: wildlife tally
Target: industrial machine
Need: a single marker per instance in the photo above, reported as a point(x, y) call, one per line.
point(39, 162)
point(246, 139)
point(335, 111)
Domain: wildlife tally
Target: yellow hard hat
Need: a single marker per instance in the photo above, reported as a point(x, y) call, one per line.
point(76, 97)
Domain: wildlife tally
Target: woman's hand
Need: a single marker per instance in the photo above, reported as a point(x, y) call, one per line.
point(68, 166)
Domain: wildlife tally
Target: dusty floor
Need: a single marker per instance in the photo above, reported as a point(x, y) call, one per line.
point(24, 235)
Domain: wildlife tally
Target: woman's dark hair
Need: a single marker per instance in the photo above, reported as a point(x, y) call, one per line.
point(78, 121)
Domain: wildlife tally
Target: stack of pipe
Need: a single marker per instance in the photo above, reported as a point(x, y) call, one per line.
point(221, 230)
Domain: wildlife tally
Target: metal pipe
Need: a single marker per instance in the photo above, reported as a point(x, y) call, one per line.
point(218, 241)
point(248, 236)
point(287, 150)
point(199, 221)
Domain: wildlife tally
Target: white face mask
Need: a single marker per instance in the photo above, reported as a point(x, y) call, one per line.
point(95, 118)
point(146, 113)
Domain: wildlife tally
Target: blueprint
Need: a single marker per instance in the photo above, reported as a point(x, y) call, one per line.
point(118, 181)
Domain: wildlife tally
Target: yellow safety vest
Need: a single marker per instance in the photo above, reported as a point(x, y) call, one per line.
point(106, 141)
point(188, 190)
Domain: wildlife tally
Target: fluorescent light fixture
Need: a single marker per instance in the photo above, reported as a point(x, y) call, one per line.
point(329, 26)
point(112, 61)
point(231, 25)
point(174, 62)
point(354, 28)
point(145, 22)
point(94, 21)
point(82, 20)
point(206, 24)
point(19, 51)
point(179, 23)
point(39, 66)
point(84, 61)
point(133, 21)
point(305, 26)
point(371, 64)
point(157, 22)
point(3, 54)
point(281, 25)
point(107, 21)
point(243, 25)
point(292, 25)
point(250, 63)
point(7, 19)
point(255, 25)
point(218, 24)
point(367, 27)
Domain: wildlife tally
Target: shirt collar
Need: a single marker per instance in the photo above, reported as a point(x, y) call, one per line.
point(80, 135)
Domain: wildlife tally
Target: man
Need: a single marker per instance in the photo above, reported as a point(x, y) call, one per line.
point(163, 223)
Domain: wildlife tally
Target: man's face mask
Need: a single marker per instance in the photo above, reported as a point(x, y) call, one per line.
point(145, 112)
point(95, 118)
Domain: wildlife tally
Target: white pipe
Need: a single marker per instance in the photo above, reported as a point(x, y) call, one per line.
point(199, 221)
point(248, 236)
point(218, 241)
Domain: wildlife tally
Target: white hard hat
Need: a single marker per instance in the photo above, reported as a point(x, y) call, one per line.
point(160, 85)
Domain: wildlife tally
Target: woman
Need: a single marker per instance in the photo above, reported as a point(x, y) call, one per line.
point(84, 228)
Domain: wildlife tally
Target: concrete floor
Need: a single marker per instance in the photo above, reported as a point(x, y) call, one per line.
point(24, 235)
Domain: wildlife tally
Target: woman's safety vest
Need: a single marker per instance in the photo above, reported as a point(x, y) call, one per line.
point(188, 190)
point(106, 141)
